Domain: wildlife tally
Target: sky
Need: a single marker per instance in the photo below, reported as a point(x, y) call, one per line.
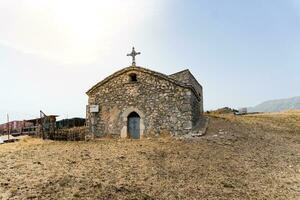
point(53, 51)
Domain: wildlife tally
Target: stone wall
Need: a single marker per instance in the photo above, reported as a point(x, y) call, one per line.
point(162, 105)
point(187, 77)
point(197, 110)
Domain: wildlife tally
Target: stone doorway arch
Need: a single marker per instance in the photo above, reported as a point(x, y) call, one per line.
point(133, 125)
point(125, 116)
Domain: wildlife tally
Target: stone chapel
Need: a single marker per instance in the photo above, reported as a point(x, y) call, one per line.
point(136, 102)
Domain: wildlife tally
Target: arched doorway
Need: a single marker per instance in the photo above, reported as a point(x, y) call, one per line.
point(133, 125)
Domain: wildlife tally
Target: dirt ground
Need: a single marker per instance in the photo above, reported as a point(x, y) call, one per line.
point(241, 157)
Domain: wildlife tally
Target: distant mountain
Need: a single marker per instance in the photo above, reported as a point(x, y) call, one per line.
point(277, 105)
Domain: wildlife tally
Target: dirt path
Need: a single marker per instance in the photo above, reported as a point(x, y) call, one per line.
point(235, 160)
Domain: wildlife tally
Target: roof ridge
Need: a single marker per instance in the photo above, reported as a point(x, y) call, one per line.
point(180, 72)
point(144, 70)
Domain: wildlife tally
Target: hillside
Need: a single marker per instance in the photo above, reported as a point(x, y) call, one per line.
point(240, 157)
point(277, 105)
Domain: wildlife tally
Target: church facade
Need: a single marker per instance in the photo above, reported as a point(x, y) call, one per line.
point(136, 102)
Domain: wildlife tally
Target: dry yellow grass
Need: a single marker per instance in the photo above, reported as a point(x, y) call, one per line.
point(241, 157)
point(280, 121)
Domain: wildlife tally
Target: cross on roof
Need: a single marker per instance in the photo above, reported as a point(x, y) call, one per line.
point(133, 54)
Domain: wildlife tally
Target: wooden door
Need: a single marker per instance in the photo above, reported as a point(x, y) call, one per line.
point(134, 125)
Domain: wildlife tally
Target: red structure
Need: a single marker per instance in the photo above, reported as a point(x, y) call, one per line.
point(15, 127)
point(42, 126)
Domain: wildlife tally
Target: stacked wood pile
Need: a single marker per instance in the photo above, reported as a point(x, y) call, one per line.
point(71, 134)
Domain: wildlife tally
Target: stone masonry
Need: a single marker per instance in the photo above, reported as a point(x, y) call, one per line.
point(164, 104)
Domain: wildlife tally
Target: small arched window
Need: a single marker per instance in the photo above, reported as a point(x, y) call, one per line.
point(132, 77)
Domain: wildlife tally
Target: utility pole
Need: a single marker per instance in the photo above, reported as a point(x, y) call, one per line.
point(8, 127)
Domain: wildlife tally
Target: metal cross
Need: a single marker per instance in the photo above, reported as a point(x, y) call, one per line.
point(133, 54)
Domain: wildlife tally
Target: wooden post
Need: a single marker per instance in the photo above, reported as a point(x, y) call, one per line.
point(8, 127)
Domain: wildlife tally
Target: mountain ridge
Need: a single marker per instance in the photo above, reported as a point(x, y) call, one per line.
point(277, 105)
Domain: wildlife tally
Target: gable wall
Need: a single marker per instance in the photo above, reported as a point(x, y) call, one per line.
point(186, 77)
point(166, 107)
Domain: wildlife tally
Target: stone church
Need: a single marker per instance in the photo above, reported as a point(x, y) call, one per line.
point(136, 102)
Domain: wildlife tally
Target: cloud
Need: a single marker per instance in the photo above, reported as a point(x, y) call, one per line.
point(73, 32)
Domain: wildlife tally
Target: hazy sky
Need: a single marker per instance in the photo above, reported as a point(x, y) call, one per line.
point(53, 51)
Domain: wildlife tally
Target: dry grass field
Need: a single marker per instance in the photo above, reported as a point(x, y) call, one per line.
point(241, 157)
